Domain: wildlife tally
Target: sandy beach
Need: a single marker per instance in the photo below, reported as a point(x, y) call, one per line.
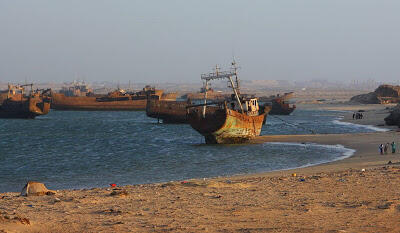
point(357, 194)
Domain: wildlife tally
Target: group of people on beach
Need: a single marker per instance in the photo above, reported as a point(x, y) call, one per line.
point(358, 115)
point(384, 148)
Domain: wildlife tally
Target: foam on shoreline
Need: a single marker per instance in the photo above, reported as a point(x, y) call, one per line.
point(346, 152)
point(371, 127)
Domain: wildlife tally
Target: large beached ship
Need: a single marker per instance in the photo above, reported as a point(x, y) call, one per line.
point(232, 121)
point(15, 104)
point(118, 100)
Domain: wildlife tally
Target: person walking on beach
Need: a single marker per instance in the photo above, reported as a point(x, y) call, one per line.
point(386, 147)
point(381, 148)
point(354, 115)
point(393, 148)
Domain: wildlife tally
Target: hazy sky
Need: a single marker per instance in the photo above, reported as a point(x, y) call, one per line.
point(176, 41)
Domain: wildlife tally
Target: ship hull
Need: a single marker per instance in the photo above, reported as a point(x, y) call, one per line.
point(88, 103)
point(226, 126)
point(168, 111)
point(282, 111)
point(27, 109)
point(281, 108)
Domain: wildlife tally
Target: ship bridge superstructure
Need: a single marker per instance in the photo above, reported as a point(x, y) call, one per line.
point(233, 79)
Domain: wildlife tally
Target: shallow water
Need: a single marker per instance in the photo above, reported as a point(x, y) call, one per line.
point(68, 150)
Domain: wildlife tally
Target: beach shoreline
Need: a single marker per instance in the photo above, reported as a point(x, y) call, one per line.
point(373, 119)
point(300, 199)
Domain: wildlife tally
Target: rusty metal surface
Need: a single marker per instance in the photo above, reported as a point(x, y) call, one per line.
point(87, 103)
point(15, 104)
point(25, 108)
point(114, 101)
point(226, 126)
point(279, 103)
point(168, 111)
point(169, 96)
point(280, 107)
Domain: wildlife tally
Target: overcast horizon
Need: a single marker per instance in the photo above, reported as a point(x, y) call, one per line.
point(176, 41)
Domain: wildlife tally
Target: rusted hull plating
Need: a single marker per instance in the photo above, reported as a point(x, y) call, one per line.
point(281, 108)
point(28, 108)
point(168, 111)
point(88, 103)
point(226, 126)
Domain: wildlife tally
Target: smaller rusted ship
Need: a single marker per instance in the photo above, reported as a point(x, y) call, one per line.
point(233, 121)
point(279, 104)
point(14, 103)
point(118, 100)
point(168, 111)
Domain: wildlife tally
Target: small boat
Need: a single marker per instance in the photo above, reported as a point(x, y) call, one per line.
point(14, 104)
point(232, 121)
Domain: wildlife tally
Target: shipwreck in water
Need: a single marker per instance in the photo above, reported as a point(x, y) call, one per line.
point(236, 120)
point(279, 103)
point(168, 111)
point(15, 104)
point(118, 100)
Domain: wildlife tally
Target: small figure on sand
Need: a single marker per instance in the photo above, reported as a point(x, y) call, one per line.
point(386, 147)
point(393, 148)
point(381, 148)
point(358, 115)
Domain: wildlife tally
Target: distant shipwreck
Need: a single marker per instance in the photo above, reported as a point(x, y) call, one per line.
point(16, 104)
point(279, 104)
point(384, 94)
point(82, 99)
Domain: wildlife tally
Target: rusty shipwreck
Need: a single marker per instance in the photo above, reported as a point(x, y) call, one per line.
point(168, 111)
point(118, 100)
point(172, 112)
point(279, 104)
point(236, 120)
point(15, 104)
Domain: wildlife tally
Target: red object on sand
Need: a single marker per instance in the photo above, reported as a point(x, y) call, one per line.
point(113, 185)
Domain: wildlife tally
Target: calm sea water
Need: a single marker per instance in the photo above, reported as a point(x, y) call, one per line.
point(70, 150)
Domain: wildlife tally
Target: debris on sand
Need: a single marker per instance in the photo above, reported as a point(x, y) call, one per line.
point(33, 188)
point(119, 193)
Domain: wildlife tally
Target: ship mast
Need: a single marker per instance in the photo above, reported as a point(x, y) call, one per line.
point(222, 75)
point(235, 68)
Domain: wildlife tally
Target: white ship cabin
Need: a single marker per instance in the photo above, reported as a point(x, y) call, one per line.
point(250, 106)
point(15, 91)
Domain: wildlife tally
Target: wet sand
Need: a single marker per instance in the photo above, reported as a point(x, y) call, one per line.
point(357, 194)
